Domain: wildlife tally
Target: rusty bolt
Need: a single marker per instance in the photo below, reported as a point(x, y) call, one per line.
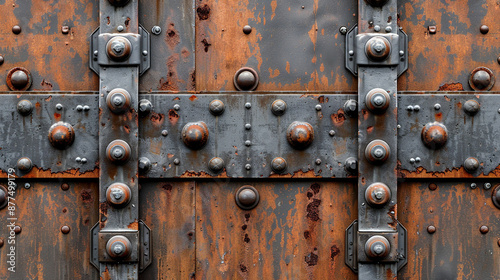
point(24, 164)
point(278, 165)
point(378, 48)
point(195, 135)
point(343, 30)
point(18, 79)
point(495, 196)
point(351, 108)
point(431, 229)
point(484, 229)
point(216, 164)
point(17, 229)
point(119, 48)
point(24, 107)
point(65, 229)
point(145, 107)
point(247, 197)
point(156, 30)
point(481, 79)
point(118, 195)
point(246, 79)
point(434, 135)
point(377, 152)
point(118, 100)
point(118, 247)
point(1, 242)
point(118, 152)
point(300, 135)
point(432, 29)
point(247, 29)
point(471, 164)
point(1, 60)
point(377, 100)
point(484, 29)
point(377, 194)
point(377, 247)
point(16, 29)
point(351, 165)
point(216, 107)
point(432, 186)
point(64, 186)
point(61, 135)
point(278, 107)
point(65, 29)
point(144, 165)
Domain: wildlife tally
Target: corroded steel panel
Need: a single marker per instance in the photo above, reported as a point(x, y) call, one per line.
point(295, 232)
point(43, 251)
point(457, 249)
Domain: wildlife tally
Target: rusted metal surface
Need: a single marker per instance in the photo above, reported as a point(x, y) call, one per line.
point(444, 238)
point(172, 228)
point(457, 46)
point(42, 211)
point(306, 55)
point(295, 232)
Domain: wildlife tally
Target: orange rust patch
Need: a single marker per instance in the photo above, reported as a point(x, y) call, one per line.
point(173, 117)
point(339, 118)
point(134, 225)
point(193, 97)
point(451, 87)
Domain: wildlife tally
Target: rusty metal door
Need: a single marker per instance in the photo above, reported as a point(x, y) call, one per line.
point(251, 139)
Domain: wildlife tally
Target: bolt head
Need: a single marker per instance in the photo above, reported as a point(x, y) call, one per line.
point(249, 105)
point(278, 165)
point(343, 30)
point(195, 135)
point(331, 133)
point(216, 107)
point(484, 229)
point(65, 229)
point(248, 166)
point(278, 107)
point(177, 161)
point(484, 29)
point(16, 29)
point(24, 164)
point(318, 107)
point(156, 30)
point(24, 107)
point(119, 48)
point(431, 229)
point(247, 29)
point(247, 197)
point(246, 79)
point(471, 165)
point(144, 164)
point(118, 247)
point(164, 132)
point(145, 107)
point(118, 195)
point(120, 28)
point(118, 152)
point(19, 79)
point(351, 165)
point(248, 126)
point(216, 164)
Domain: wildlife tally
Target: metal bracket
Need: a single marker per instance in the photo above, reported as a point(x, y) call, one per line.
point(141, 248)
point(355, 253)
point(141, 50)
point(355, 50)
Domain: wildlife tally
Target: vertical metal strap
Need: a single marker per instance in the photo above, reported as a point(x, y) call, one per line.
point(377, 140)
point(118, 143)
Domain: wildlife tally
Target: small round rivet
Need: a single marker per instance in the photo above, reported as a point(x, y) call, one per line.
point(84, 160)
point(177, 107)
point(409, 108)
point(343, 30)
point(249, 105)
point(216, 164)
point(120, 28)
point(246, 79)
point(412, 160)
point(417, 159)
point(86, 108)
point(471, 164)
point(64, 186)
point(247, 197)
point(487, 186)
point(416, 108)
point(388, 29)
point(78, 159)
point(216, 107)
point(473, 185)
point(65, 229)
point(432, 186)
point(1, 242)
point(484, 229)
point(248, 126)
point(495, 196)
point(24, 164)
point(1, 60)
point(248, 143)
point(318, 107)
point(431, 229)
point(484, 29)
point(16, 29)
point(164, 132)
point(471, 107)
point(376, 28)
point(79, 108)
point(248, 166)
point(3, 197)
point(437, 106)
point(247, 29)
point(177, 161)
point(278, 107)
point(317, 161)
point(24, 107)
point(27, 185)
point(18, 229)
point(331, 133)
point(278, 165)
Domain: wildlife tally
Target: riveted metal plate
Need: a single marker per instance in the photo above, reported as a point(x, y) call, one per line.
point(247, 136)
point(468, 135)
point(27, 136)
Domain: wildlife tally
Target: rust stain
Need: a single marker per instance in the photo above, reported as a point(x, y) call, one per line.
point(157, 119)
point(172, 80)
point(173, 117)
point(86, 196)
point(311, 259)
point(206, 44)
point(37, 172)
point(203, 12)
point(334, 251)
point(193, 97)
point(172, 39)
point(313, 210)
point(46, 85)
point(393, 215)
point(273, 73)
point(339, 118)
point(451, 87)
point(134, 225)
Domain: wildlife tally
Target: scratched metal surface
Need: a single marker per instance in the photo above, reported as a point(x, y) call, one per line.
point(295, 232)
point(27, 136)
point(468, 136)
point(42, 250)
point(457, 249)
point(227, 135)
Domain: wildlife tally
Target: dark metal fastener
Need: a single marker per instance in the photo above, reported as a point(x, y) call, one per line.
point(248, 166)
point(1, 242)
point(119, 28)
point(471, 164)
point(343, 30)
point(300, 135)
point(484, 29)
point(377, 152)
point(378, 48)
point(216, 107)
point(118, 195)
point(351, 165)
point(65, 29)
point(27, 185)
point(317, 161)
point(145, 107)
point(247, 197)
point(164, 132)
point(156, 30)
point(377, 194)
point(1, 60)
point(18, 229)
point(118, 247)
point(64, 186)
point(65, 229)
point(248, 126)
point(118, 152)
point(278, 165)
point(487, 186)
point(216, 164)
point(473, 185)
point(3, 197)
point(377, 100)
point(434, 135)
point(432, 186)
point(318, 107)
point(24, 164)
point(377, 247)
point(331, 133)
point(24, 107)
point(495, 196)
point(144, 165)
point(351, 108)
point(195, 135)
point(278, 107)
point(177, 161)
point(177, 107)
point(431, 229)
point(118, 101)
point(16, 29)
point(484, 229)
point(119, 48)
point(61, 135)
point(18, 79)
point(247, 29)
point(481, 79)
point(246, 79)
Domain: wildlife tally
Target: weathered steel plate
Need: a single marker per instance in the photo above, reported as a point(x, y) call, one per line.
point(457, 249)
point(228, 135)
point(295, 232)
